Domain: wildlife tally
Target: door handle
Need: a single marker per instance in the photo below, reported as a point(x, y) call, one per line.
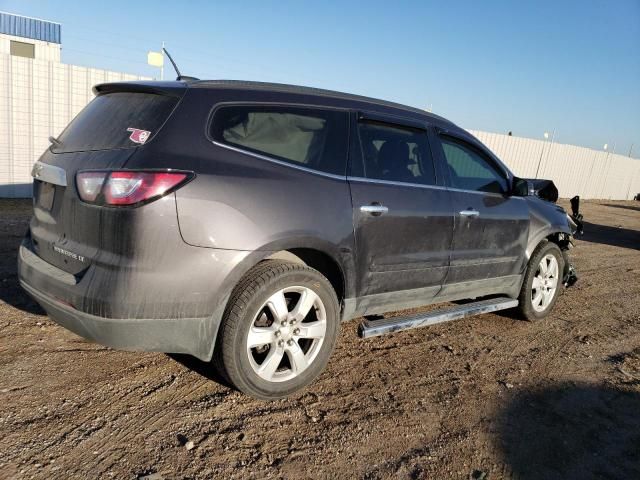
point(469, 213)
point(375, 209)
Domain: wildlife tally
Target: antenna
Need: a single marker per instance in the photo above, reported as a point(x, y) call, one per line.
point(162, 67)
point(175, 67)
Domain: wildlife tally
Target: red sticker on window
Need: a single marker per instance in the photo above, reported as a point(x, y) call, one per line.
point(138, 136)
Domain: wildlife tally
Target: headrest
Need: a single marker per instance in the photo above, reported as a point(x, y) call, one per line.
point(394, 154)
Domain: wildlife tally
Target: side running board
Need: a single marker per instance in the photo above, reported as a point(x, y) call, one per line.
point(375, 328)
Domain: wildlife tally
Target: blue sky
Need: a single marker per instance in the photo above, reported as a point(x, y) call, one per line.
point(528, 67)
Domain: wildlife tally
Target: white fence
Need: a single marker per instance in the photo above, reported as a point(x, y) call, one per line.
point(575, 170)
point(38, 98)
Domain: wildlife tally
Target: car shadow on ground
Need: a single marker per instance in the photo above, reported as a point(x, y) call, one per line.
point(14, 221)
point(627, 207)
point(572, 431)
point(11, 292)
point(205, 369)
point(614, 236)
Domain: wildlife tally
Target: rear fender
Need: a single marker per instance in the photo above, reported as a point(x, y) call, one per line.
point(273, 250)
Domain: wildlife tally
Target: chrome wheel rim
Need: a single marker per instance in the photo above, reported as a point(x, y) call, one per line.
point(286, 334)
point(545, 283)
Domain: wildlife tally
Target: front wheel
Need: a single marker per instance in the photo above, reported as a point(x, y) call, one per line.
point(542, 283)
point(279, 329)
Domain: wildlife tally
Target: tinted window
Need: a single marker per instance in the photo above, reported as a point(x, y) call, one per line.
point(308, 137)
point(116, 120)
point(395, 154)
point(470, 170)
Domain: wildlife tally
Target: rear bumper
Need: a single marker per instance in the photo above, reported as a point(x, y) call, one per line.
point(174, 310)
point(152, 335)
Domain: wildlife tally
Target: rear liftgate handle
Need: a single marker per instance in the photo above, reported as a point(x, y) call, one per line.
point(469, 212)
point(375, 209)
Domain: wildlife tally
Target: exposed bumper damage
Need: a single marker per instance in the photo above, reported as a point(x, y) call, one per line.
point(576, 217)
point(547, 190)
point(577, 228)
point(570, 275)
point(565, 242)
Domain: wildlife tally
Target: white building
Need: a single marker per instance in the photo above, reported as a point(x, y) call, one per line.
point(39, 95)
point(29, 37)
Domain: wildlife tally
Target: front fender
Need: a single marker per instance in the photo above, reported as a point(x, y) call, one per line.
point(535, 239)
point(545, 219)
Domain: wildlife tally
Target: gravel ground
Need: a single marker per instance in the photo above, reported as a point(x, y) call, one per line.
point(485, 397)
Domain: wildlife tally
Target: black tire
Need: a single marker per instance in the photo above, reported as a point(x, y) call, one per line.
point(248, 299)
point(525, 299)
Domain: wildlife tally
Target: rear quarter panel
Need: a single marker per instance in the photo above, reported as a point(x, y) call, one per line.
point(240, 202)
point(255, 205)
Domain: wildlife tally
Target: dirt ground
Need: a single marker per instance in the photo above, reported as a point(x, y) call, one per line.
point(485, 397)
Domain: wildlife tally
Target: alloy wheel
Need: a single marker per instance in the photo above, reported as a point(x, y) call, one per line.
point(286, 334)
point(545, 283)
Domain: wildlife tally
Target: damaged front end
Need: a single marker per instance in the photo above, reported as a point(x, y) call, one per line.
point(546, 190)
point(565, 242)
point(576, 226)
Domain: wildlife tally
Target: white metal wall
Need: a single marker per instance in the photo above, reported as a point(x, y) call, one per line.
point(575, 170)
point(38, 98)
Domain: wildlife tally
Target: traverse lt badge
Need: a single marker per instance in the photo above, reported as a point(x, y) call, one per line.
point(67, 253)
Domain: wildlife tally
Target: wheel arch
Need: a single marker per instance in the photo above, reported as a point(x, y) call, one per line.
point(318, 260)
point(323, 258)
point(545, 245)
point(558, 234)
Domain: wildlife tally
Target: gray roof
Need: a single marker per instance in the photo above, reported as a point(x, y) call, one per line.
point(281, 87)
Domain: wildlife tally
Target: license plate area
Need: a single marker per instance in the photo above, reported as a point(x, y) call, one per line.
point(46, 193)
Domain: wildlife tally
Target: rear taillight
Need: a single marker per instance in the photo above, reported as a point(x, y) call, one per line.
point(127, 187)
point(90, 185)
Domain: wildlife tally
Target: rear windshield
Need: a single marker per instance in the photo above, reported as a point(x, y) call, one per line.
point(116, 120)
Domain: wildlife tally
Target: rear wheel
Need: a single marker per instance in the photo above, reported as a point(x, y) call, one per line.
point(542, 283)
point(279, 329)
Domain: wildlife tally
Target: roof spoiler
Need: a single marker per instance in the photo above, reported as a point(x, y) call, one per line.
point(173, 89)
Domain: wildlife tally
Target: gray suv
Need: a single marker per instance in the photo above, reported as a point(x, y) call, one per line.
point(242, 222)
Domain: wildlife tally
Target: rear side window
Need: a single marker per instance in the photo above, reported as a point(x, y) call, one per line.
point(116, 120)
point(307, 137)
point(394, 153)
point(469, 169)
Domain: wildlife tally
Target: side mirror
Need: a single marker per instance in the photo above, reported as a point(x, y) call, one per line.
point(521, 187)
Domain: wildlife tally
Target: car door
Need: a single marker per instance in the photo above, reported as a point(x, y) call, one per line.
point(403, 221)
point(491, 226)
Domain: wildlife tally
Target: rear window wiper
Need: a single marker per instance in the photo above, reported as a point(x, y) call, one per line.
point(55, 141)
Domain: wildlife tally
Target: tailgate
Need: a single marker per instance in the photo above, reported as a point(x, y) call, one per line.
point(65, 231)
